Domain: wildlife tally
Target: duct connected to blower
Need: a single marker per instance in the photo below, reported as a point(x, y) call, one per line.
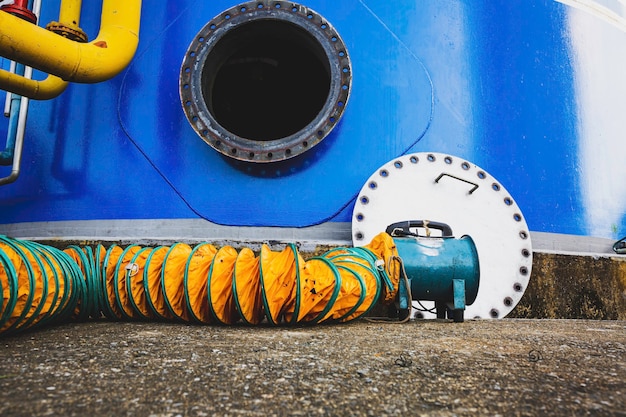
point(206, 285)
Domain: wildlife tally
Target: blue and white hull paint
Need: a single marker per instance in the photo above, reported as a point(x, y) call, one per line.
point(531, 91)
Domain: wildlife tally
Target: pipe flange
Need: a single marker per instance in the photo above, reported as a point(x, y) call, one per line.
point(448, 189)
point(265, 81)
point(72, 33)
point(20, 11)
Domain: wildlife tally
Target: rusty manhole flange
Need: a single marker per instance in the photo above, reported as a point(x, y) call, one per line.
point(242, 87)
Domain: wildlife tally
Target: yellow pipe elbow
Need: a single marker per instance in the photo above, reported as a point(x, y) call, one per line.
point(92, 62)
point(46, 89)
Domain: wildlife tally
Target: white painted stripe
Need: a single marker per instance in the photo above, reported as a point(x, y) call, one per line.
point(598, 58)
point(611, 11)
point(167, 231)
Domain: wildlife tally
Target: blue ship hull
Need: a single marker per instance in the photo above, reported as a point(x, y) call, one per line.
point(528, 90)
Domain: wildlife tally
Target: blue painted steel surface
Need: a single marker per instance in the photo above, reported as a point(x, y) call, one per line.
point(493, 82)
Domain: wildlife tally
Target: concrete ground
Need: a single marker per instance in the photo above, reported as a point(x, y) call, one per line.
point(509, 367)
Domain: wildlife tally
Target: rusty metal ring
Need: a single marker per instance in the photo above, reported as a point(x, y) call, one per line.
point(75, 33)
point(275, 48)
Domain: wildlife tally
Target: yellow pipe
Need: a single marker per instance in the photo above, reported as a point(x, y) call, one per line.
point(69, 17)
point(52, 86)
point(46, 89)
point(98, 60)
point(69, 13)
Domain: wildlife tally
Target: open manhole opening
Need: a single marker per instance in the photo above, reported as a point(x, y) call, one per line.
point(265, 81)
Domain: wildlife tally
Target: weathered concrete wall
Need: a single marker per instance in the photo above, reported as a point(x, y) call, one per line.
point(575, 286)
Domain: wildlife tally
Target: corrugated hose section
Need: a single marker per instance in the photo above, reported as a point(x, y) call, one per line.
point(203, 284)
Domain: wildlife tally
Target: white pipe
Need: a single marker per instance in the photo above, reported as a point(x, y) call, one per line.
point(7, 101)
point(19, 138)
point(37, 11)
point(21, 121)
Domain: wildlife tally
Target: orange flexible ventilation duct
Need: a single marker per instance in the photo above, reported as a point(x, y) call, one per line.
point(202, 284)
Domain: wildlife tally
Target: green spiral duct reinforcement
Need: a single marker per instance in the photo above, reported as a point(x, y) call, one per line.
point(42, 285)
